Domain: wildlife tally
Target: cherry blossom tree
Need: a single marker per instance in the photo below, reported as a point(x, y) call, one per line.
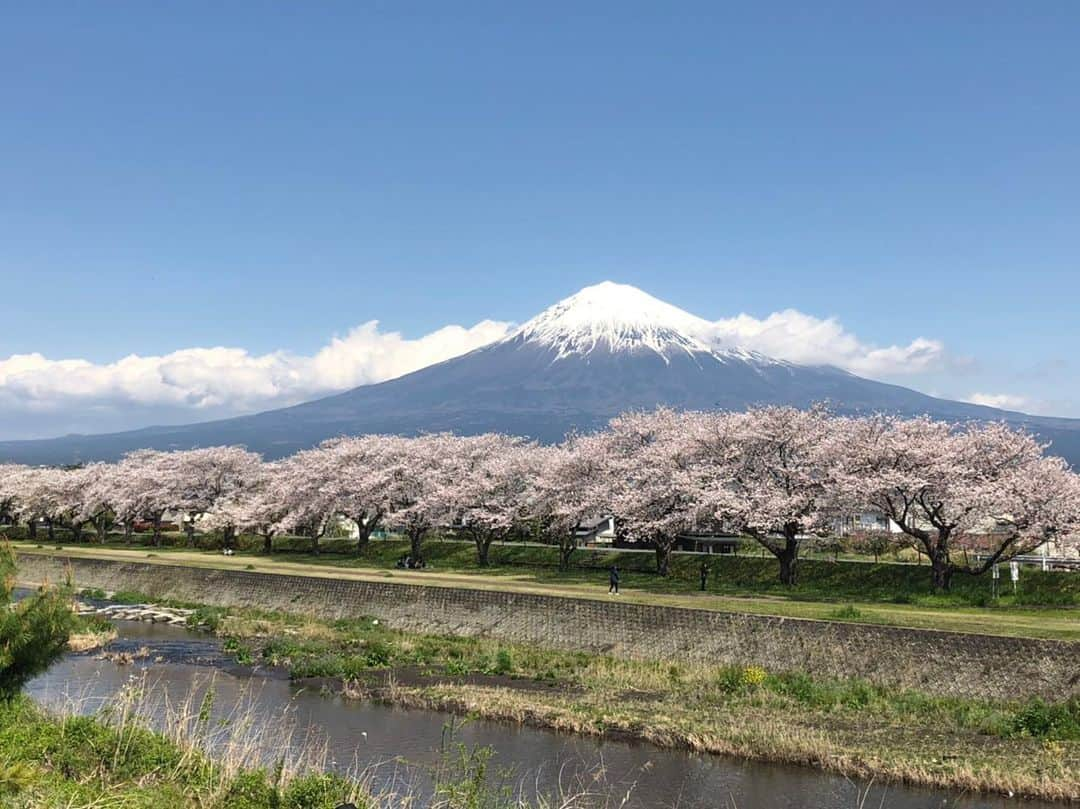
point(202, 481)
point(144, 482)
point(651, 479)
point(570, 487)
point(305, 499)
point(38, 492)
point(979, 485)
point(11, 477)
point(773, 472)
point(415, 477)
point(487, 485)
point(258, 506)
point(96, 486)
point(352, 471)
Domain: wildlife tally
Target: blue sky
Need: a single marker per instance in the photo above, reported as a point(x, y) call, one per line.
point(267, 177)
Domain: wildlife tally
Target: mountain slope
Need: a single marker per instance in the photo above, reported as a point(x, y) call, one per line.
point(605, 350)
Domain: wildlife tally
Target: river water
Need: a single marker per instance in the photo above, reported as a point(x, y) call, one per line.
point(397, 748)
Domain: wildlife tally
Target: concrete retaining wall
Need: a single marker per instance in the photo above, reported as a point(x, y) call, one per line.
point(940, 662)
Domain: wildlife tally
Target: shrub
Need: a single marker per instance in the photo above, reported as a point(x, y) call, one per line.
point(316, 792)
point(33, 633)
point(729, 680)
point(504, 662)
point(378, 653)
point(329, 665)
point(249, 790)
point(1059, 721)
point(208, 617)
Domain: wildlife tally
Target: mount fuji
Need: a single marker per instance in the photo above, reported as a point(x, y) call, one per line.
point(606, 349)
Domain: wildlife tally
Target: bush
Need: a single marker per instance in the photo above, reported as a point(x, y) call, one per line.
point(504, 662)
point(378, 653)
point(249, 790)
point(208, 617)
point(33, 633)
point(1059, 721)
point(316, 792)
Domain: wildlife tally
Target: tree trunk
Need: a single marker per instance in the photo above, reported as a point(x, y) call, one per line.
point(189, 529)
point(789, 567)
point(789, 557)
point(942, 577)
point(940, 566)
point(316, 534)
point(31, 528)
point(787, 554)
point(663, 557)
point(99, 526)
point(363, 531)
point(52, 530)
point(940, 570)
point(76, 531)
point(129, 530)
point(268, 542)
point(157, 531)
point(416, 535)
point(566, 550)
point(483, 546)
point(228, 537)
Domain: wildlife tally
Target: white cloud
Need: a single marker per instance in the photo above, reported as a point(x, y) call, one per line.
point(40, 396)
point(801, 338)
point(1003, 401)
point(229, 380)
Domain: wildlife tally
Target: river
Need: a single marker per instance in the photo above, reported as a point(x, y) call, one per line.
point(397, 747)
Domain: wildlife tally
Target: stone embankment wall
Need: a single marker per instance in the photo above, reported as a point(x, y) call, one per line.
point(940, 662)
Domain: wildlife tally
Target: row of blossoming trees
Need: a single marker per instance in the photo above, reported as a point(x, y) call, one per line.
point(775, 474)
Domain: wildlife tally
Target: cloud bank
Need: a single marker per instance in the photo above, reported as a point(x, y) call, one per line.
point(798, 337)
point(41, 396)
point(45, 396)
point(1004, 401)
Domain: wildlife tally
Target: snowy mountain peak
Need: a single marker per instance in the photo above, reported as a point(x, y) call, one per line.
point(615, 317)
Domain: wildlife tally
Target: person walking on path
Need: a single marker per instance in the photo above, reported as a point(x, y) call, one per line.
point(704, 574)
point(613, 580)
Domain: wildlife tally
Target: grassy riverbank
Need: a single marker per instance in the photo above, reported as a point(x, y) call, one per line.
point(112, 761)
point(72, 761)
point(1026, 747)
point(835, 591)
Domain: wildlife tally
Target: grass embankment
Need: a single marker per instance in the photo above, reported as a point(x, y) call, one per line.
point(1046, 605)
point(83, 762)
point(845, 726)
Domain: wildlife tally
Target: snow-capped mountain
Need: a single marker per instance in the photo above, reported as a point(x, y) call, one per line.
point(607, 349)
point(610, 317)
point(615, 317)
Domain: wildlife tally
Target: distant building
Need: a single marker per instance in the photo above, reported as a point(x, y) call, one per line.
point(597, 531)
point(708, 542)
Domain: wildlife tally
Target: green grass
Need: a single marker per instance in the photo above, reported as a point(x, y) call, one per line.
point(111, 762)
point(1046, 605)
point(850, 726)
point(749, 574)
point(79, 761)
point(354, 648)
